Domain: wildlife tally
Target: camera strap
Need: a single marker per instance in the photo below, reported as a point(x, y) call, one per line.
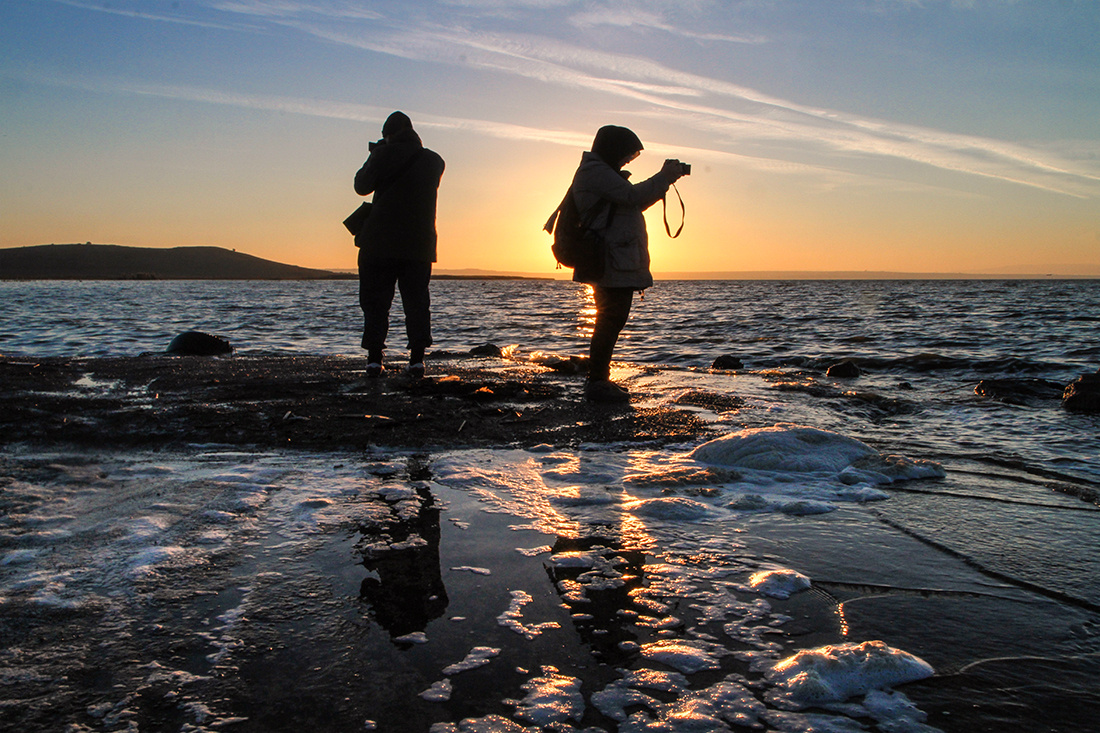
point(664, 210)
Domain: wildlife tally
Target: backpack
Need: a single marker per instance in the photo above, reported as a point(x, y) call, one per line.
point(576, 245)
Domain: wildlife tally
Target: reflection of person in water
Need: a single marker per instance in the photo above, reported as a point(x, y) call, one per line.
point(408, 591)
point(594, 577)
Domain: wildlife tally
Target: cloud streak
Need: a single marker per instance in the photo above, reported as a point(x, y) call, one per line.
point(742, 123)
point(736, 113)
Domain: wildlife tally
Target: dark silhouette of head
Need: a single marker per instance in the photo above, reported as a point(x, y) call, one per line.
point(615, 144)
point(395, 123)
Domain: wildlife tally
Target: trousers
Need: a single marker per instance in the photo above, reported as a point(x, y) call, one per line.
point(612, 311)
point(378, 277)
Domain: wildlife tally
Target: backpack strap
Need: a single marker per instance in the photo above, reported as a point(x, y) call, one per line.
point(586, 221)
point(549, 227)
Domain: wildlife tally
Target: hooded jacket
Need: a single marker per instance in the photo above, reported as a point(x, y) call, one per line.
point(401, 224)
point(626, 252)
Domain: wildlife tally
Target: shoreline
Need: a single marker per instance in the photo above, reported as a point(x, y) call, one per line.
point(313, 402)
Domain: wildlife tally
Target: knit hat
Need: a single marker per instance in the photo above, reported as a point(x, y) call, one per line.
point(395, 123)
point(614, 143)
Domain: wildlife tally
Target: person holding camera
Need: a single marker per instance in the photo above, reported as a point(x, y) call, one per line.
point(613, 207)
point(397, 242)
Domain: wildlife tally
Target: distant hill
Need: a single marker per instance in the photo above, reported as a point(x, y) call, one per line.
point(115, 262)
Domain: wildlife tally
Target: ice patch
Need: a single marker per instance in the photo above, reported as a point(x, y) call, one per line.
point(534, 551)
point(479, 656)
point(680, 655)
point(787, 448)
point(835, 673)
point(551, 698)
point(488, 724)
point(512, 618)
point(781, 583)
point(438, 692)
point(714, 708)
point(576, 559)
point(416, 637)
point(471, 569)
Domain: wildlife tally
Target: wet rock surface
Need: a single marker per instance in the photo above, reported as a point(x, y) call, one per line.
point(312, 402)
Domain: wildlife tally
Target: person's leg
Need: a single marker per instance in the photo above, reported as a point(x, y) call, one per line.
point(612, 311)
point(377, 278)
point(416, 301)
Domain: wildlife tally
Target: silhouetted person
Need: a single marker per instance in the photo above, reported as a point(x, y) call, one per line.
point(600, 180)
point(397, 244)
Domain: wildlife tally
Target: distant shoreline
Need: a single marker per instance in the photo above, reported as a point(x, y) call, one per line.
point(110, 262)
point(657, 277)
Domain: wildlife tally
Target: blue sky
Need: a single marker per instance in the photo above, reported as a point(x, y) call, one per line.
point(851, 135)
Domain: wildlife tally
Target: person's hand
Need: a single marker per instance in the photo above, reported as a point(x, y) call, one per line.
point(672, 170)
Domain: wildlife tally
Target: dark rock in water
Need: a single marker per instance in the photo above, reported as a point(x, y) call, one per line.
point(1015, 391)
point(846, 369)
point(486, 350)
point(1083, 395)
point(197, 343)
point(726, 361)
point(572, 365)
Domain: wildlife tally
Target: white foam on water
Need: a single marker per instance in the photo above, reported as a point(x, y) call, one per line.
point(713, 708)
point(513, 617)
point(683, 655)
point(479, 656)
point(471, 569)
point(134, 523)
point(440, 691)
point(551, 698)
point(798, 449)
point(834, 673)
point(779, 583)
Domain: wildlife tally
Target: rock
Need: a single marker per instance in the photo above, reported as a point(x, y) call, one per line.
point(846, 369)
point(1016, 391)
point(572, 365)
point(1083, 395)
point(727, 361)
point(197, 343)
point(486, 350)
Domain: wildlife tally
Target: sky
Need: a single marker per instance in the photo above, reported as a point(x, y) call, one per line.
point(849, 135)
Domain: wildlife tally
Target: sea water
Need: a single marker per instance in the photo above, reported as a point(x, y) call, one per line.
point(840, 538)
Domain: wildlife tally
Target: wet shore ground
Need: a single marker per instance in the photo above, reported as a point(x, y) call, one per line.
point(277, 543)
point(311, 402)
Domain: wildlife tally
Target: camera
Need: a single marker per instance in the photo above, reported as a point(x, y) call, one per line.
point(685, 169)
point(372, 146)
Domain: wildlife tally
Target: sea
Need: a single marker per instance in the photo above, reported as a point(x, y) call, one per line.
point(913, 548)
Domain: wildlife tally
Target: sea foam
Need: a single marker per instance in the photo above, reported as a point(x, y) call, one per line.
point(834, 673)
point(798, 449)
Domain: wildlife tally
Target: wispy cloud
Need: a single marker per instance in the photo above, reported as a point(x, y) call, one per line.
point(741, 122)
point(627, 17)
point(160, 17)
point(737, 113)
point(295, 9)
